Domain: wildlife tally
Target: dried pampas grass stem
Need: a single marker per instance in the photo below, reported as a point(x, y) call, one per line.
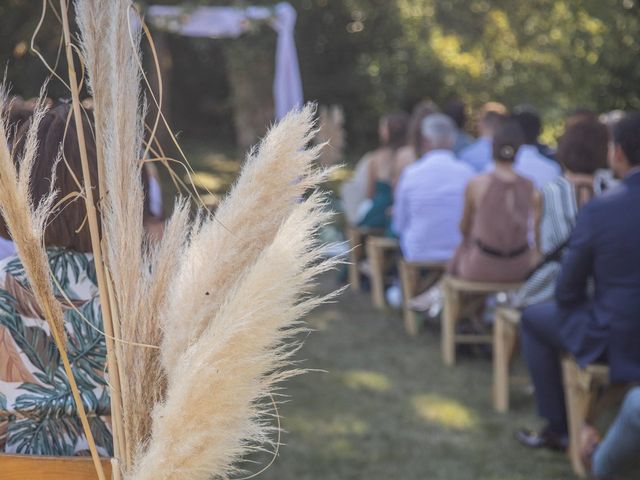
point(114, 379)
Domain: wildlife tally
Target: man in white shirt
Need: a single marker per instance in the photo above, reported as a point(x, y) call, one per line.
point(430, 196)
point(479, 155)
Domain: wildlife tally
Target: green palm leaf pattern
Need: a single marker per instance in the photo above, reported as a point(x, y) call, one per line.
point(45, 420)
point(86, 345)
point(67, 266)
point(44, 435)
point(33, 341)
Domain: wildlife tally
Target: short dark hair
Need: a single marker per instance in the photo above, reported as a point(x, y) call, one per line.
point(67, 228)
point(457, 110)
point(626, 133)
point(507, 140)
point(530, 123)
point(583, 147)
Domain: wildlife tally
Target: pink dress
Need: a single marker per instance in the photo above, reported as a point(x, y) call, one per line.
point(497, 246)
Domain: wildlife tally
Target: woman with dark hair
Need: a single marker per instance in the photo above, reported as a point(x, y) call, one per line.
point(37, 413)
point(582, 151)
point(497, 214)
point(384, 171)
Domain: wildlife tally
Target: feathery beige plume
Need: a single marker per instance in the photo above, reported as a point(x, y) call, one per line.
point(271, 182)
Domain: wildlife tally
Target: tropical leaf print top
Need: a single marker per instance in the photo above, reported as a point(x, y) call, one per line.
point(37, 412)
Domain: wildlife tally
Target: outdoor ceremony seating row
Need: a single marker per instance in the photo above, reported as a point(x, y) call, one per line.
point(584, 388)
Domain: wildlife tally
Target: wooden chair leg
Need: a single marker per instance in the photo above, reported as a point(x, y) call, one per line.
point(578, 398)
point(449, 321)
point(376, 262)
point(504, 339)
point(355, 249)
point(408, 284)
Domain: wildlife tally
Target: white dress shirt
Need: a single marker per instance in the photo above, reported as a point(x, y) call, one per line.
point(428, 206)
point(530, 163)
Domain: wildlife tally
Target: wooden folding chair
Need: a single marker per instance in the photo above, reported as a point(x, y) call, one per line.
point(356, 238)
point(505, 338)
point(376, 248)
point(28, 467)
point(410, 284)
point(581, 388)
point(454, 290)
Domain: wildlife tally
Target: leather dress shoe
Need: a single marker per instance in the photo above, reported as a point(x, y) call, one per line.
point(544, 439)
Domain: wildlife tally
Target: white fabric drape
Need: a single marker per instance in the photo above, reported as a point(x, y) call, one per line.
point(230, 22)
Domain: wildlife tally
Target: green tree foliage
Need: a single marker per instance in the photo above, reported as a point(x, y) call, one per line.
point(375, 56)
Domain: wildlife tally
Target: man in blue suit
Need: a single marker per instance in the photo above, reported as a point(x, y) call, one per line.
point(596, 315)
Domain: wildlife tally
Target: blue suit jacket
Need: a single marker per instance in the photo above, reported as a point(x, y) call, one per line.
point(598, 289)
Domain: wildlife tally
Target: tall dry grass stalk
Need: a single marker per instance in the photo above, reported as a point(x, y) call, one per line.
point(138, 272)
point(26, 224)
point(273, 179)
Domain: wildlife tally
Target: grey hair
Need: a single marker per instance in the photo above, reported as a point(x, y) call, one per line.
point(439, 129)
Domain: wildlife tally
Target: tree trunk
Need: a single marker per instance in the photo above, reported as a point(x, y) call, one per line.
point(250, 72)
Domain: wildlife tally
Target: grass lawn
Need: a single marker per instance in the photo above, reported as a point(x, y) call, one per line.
point(385, 407)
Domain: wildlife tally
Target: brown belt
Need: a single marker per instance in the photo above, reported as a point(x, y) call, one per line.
point(497, 253)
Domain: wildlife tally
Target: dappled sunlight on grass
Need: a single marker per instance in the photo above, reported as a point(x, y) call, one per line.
point(443, 411)
point(366, 380)
point(336, 426)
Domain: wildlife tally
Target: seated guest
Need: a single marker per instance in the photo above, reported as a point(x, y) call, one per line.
point(479, 154)
point(37, 412)
point(595, 313)
point(582, 151)
point(430, 196)
point(530, 162)
point(529, 116)
point(384, 171)
point(617, 455)
point(413, 149)
point(457, 111)
point(497, 213)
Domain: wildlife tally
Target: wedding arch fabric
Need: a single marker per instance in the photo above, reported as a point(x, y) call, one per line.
point(231, 22)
